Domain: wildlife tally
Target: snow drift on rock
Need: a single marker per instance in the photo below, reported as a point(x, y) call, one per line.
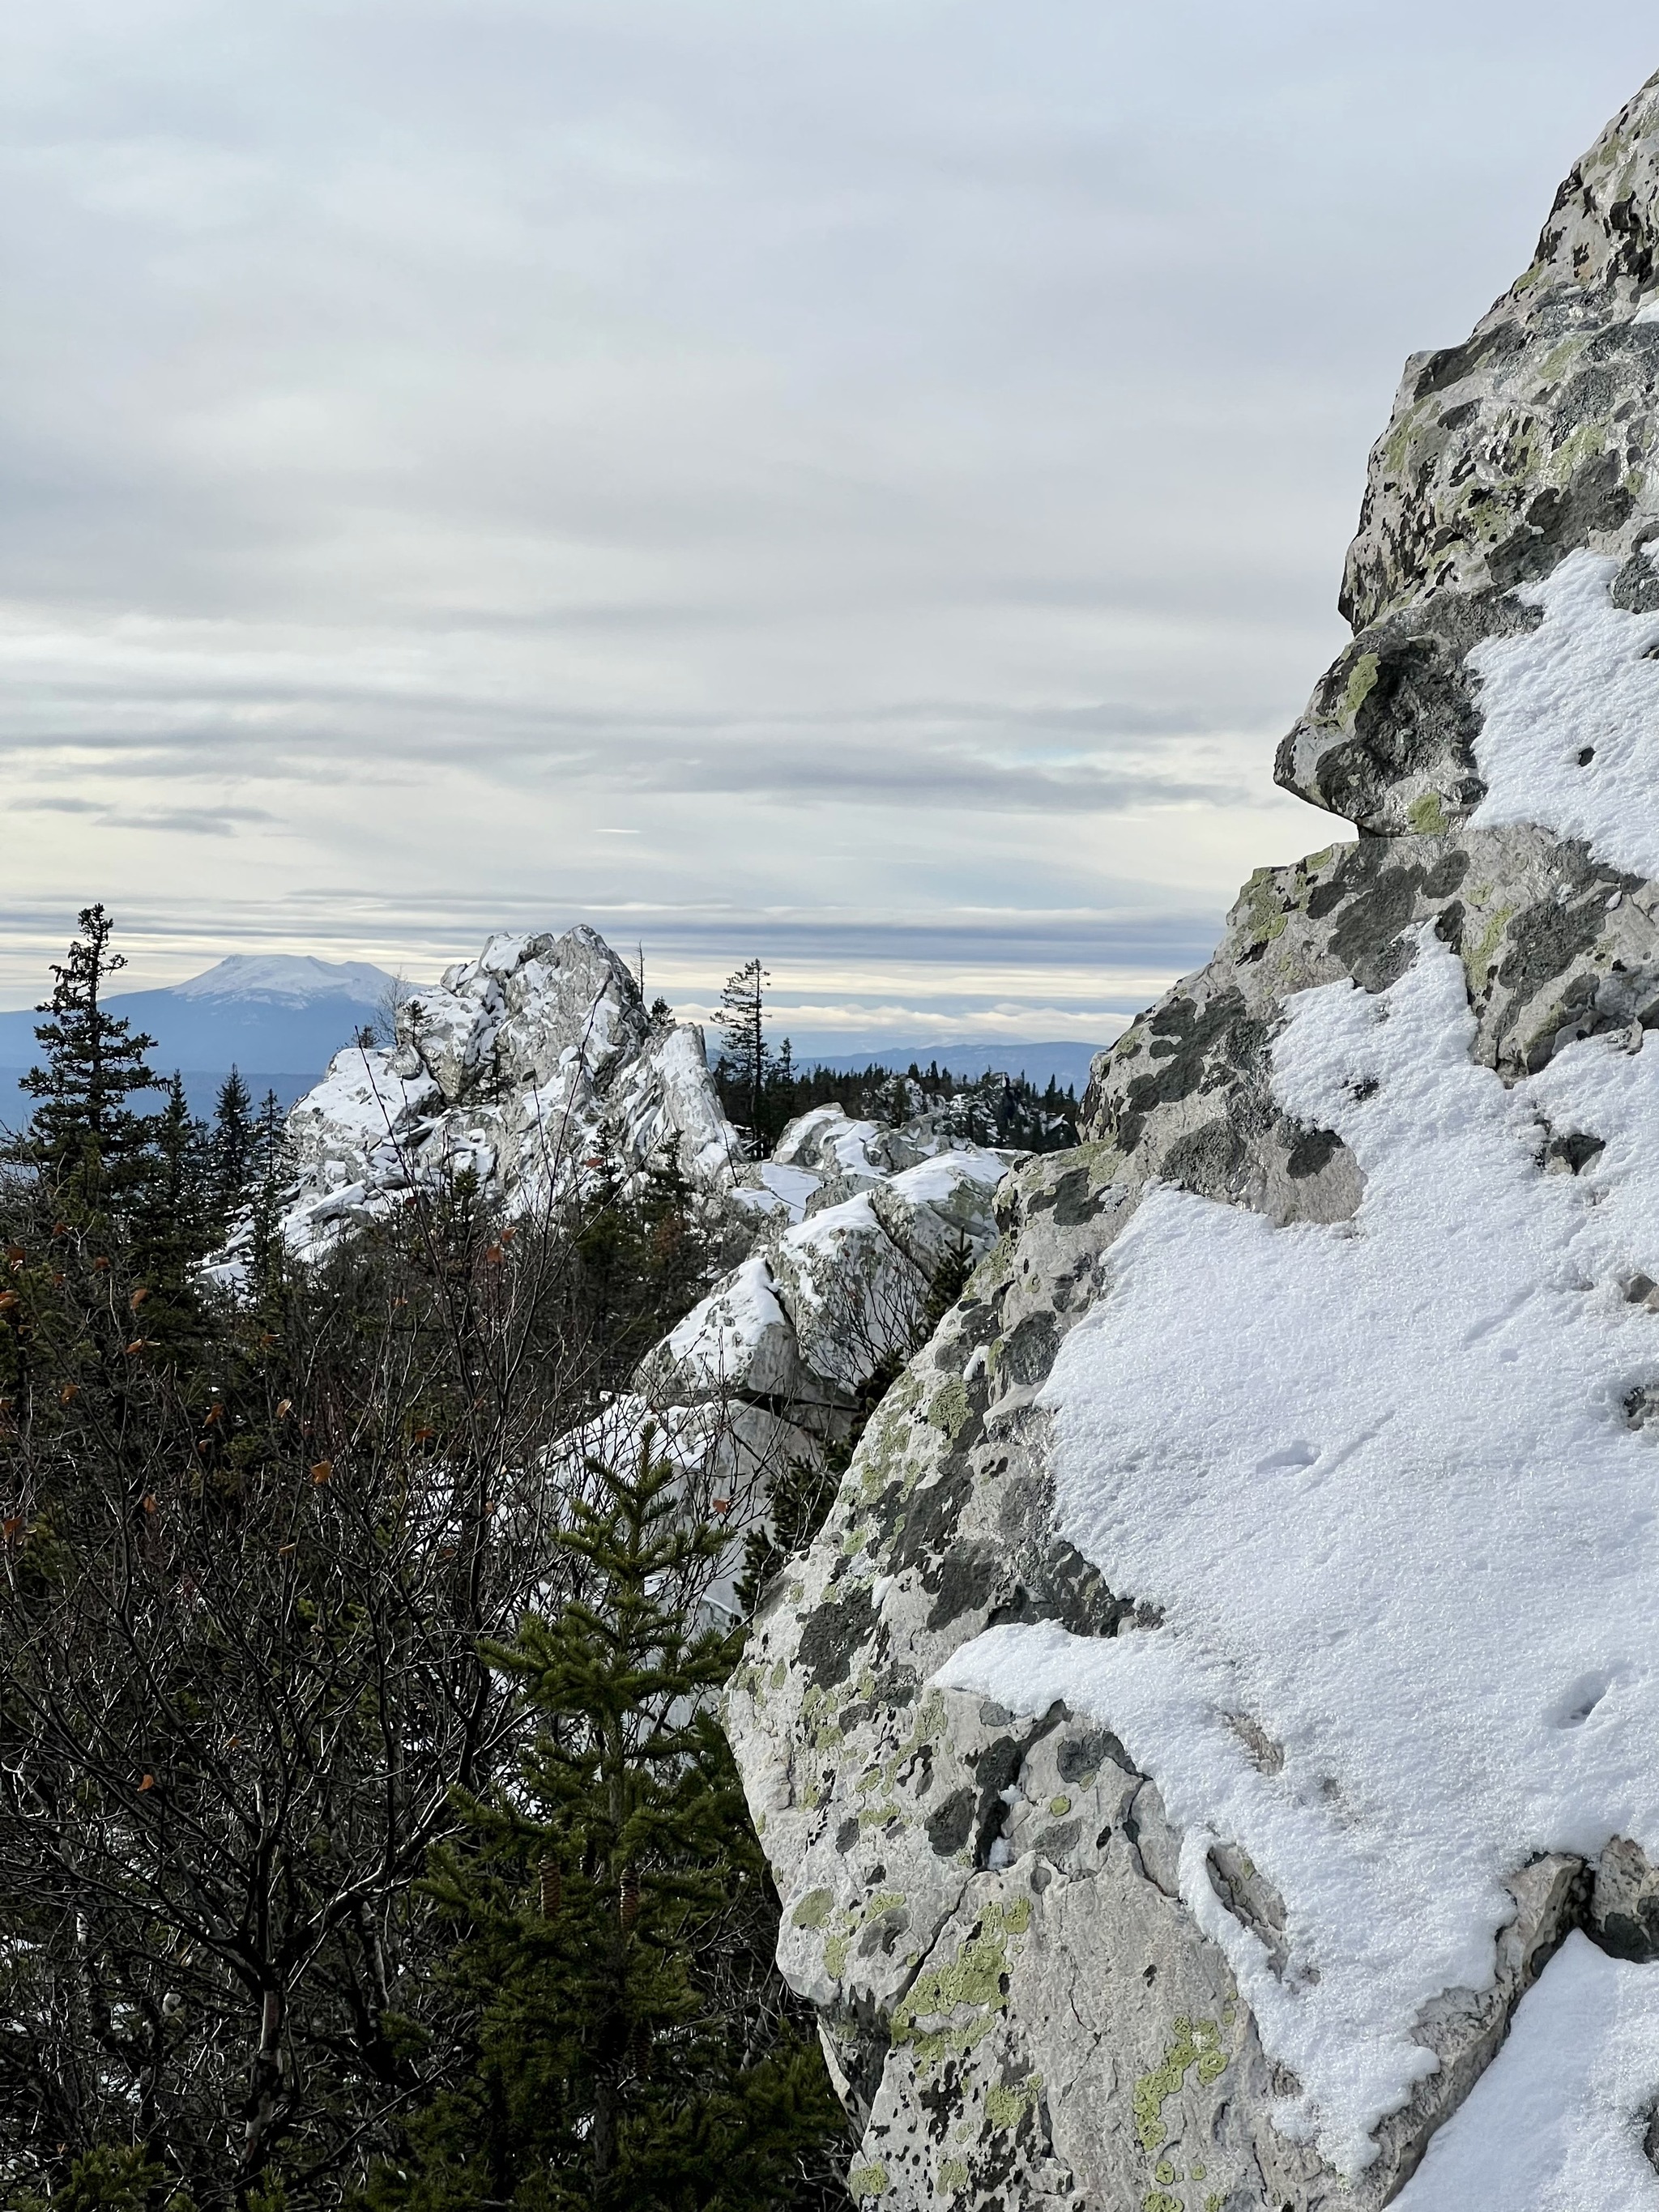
point(1381, 1479)
point(1557, 2123)
point(1569, 712)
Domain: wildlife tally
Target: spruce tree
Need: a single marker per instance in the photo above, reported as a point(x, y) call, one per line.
point(743, 1030)
point(233, 1146)
point(266, 1161)
point(616, 1921)
point(171, 1220)
point(83, 1124)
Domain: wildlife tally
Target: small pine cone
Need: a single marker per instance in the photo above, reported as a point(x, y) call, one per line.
point(552, 1889)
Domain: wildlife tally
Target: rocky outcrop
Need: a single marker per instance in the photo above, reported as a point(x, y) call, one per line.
point(512, 1069)
point(1223, 1681)
point(536, 1063)
point(1533, 439)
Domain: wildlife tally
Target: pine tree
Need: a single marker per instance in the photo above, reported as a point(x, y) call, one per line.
point(616, 1919)
point(83, 1124)
point(233, 1145)
point(743, 1029)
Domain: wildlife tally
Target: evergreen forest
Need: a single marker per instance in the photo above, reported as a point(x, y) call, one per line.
point(763, 1089)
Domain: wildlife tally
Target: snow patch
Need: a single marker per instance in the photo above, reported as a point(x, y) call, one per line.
point(1379, 1479)
point(1555, 2122)
point(286, 979)
point(1570, 715)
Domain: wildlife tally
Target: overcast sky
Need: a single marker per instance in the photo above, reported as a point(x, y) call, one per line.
point(860, 481)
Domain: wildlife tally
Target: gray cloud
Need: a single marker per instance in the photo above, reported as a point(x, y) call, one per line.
point(192, 821)
point(426, 431)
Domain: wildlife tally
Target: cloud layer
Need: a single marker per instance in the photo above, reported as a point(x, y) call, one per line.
point(864, 481)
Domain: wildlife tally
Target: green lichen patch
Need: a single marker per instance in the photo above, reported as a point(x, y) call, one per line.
point(1006, 2103)
point(951, 1411)
point(1265, 912)
point(1195, 2044)
point(952, 2176)
point(814, 1909)
point(1427, 815)
point(961, 2001)
point(1361, 684)
point(865, 2181)
point(1477, 958)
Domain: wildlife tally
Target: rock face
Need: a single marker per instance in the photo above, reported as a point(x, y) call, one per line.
point(511, 1067)
point(1223, 1682)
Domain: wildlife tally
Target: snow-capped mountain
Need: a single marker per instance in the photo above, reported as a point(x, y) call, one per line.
point(284, 979)
point(279, 1018)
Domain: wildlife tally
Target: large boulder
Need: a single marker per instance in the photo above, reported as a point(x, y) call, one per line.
point(1229, 1671)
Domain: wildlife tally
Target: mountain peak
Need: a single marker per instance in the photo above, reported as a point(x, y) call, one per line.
point(286, 979)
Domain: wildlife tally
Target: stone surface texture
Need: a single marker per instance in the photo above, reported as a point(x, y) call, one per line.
point(1020, 2010)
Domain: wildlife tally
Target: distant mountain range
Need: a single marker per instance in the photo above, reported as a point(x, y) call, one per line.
point(280, 1017)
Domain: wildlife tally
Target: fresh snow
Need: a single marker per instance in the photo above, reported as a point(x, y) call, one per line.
point(935, 1182)
point(1377, 1478)
point(783, 1187)
point(1581, 682)
point(830, 1129)
point(815, 1245)
point(724, 1335)
point(1555, 2122)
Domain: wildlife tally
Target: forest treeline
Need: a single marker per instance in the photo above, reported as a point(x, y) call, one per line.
point(366, 1836)
point(762, 1091)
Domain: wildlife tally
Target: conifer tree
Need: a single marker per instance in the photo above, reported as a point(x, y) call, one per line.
point(265, 1190)
point(94, 1065)
point(616, 1919)
point(233, 1145)
point(171, 1224)
point(743, 1029)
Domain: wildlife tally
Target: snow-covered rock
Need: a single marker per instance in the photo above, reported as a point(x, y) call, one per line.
point(1225, 1694)
point(514, 1067)
point(853, 1223)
